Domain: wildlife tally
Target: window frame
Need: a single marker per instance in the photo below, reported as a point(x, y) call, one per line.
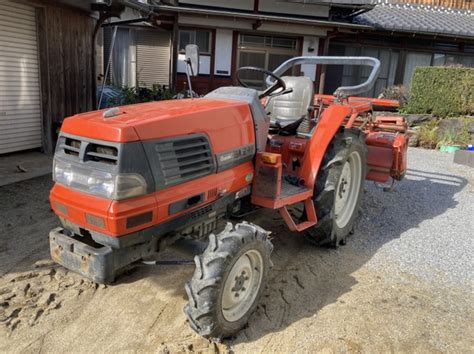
point(194, 30)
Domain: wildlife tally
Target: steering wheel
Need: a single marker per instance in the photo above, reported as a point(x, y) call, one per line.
point(270, 91)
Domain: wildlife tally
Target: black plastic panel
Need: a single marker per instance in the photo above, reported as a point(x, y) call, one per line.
point(180, 159)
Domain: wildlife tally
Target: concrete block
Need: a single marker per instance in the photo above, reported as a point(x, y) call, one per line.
point(464, 157)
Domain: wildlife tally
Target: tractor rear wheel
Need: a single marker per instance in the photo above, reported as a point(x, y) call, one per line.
point(228, 281)
point(339, 188)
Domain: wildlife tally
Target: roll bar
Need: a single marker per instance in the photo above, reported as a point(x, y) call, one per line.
point(343, 91)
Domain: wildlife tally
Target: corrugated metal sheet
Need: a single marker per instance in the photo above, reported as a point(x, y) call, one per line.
point(20, 105)
point(153, 57)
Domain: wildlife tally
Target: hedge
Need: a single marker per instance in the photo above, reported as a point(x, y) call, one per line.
point(442, 91)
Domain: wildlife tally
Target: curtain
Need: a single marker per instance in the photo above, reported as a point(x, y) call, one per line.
point(120, 58)
point(413, 60)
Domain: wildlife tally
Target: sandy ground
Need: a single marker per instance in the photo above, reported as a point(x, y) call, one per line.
point(354, 299)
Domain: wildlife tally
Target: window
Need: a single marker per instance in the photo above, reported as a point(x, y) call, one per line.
point(201, 38)
point(412, 61)
point(350, 75)
point(267, 41)
point(265, 52)
point(449, 59)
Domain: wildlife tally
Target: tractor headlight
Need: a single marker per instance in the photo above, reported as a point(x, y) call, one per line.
point(100, 183)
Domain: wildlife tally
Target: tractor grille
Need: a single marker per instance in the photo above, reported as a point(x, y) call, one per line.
point(92, 151)
point(71, 146)
point(101, 153)
point(184, 159)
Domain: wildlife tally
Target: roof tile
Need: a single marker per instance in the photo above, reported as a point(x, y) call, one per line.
point(423, 19)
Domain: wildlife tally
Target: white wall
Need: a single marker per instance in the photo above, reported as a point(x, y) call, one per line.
point(288, 8)
point(271, 6)
point(231, 4)
point(204, 64)
point(310, 42)
point(223, 59)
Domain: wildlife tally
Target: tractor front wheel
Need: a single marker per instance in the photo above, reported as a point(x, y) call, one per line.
point(339, 188)
point(228, 281)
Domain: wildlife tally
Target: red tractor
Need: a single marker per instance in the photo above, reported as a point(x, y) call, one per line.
point(134, 179)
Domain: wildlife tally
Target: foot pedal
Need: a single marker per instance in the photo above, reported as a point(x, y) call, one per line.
point(310, 214)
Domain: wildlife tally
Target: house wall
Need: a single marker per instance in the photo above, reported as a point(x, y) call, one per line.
point(66, 51)
point(268, 6)
point(226, 4)
point(218, 68)
point(276, 6)
point(399, 56)
point(223, 63)
point(310, 47)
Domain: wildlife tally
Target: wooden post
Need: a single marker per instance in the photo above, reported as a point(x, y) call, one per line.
point(41, 21)
point(322, 77)
point(174, 56)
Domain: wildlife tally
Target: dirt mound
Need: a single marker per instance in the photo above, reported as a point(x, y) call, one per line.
point(29, 296)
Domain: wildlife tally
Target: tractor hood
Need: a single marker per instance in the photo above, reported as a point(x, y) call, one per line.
point(156, 120)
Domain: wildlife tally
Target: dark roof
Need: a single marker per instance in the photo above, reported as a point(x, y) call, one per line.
point(420, 19)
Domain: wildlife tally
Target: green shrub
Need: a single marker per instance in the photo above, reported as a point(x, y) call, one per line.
point(428, 134)
point(453, 137)
point(132, 95)
point(442, 91)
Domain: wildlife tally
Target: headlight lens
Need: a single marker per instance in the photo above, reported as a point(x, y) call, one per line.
point(104, 184)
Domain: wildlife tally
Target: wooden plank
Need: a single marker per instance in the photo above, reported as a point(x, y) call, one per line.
point(46, 128)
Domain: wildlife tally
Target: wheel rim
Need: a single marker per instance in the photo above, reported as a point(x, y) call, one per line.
point(242, 285)
point(347, 190)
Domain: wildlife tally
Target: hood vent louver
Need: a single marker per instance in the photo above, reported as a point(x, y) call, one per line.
point(185, 158)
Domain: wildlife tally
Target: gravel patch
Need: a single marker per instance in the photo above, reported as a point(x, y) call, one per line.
point(426, 226)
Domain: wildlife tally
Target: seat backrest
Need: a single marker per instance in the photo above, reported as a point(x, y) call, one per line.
point(292, 106)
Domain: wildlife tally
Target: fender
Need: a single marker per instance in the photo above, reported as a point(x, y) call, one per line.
point(330, 121)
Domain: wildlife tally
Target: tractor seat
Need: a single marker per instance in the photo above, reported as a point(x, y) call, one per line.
point(292, 107)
